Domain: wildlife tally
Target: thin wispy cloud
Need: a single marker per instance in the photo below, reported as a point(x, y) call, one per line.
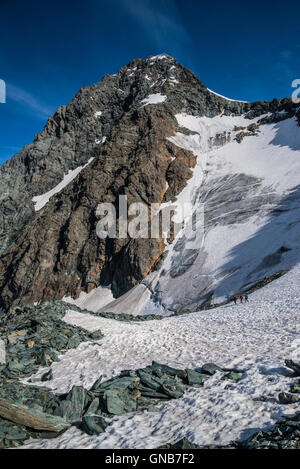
point(28, 100)
point(286, 54)
point(161, 21)
point(288, 64)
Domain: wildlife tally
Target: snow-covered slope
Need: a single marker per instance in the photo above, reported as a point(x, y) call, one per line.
point(41, 200)
point(217, 94)
point(94, 300)
point(251, 197)
point(256, 337)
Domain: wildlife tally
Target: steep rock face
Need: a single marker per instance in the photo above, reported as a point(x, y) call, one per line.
point(60, 244)
point(128, 132)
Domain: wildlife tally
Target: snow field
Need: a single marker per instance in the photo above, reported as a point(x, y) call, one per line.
point(256, 337)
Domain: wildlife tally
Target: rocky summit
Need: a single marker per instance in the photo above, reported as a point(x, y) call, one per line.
point(144, 133)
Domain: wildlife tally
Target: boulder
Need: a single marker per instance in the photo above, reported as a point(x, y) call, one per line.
point(288, 398)
point(47, 376)
point(66, 411)
point(172, 389)
point(93, 425)
point(194, 377)
point(234, 376)
point(153, 408)
point(78, 398)
point(210, 369)
point(93, 407)
point(295, 366)
point(149, 380)
point(11, 431)
point(183, 444)
point(295, 388)
point(150, 393)
point(119, 402)
point(165, 369)
point(131, 373)
point(120, 383)
point(31, 417)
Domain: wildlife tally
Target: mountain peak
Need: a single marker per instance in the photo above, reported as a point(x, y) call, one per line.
point(153, 58)
point(140, 133)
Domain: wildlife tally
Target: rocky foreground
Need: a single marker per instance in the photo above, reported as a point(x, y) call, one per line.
point(36, 337)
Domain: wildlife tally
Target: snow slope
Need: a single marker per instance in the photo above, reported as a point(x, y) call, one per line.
point(97, 298)
point(250, 193)
point(41, 200)
point(256, 337)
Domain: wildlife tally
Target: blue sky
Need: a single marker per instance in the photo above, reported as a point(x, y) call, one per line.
point(48, 51)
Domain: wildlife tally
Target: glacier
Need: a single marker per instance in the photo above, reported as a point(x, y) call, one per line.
point(251, 197)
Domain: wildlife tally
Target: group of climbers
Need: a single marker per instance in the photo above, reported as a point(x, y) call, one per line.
point(243, 298)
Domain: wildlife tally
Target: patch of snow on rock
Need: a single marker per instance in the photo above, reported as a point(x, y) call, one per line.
point(41, 200)
point(158, 57)
point(154, 99)
point(228, 99)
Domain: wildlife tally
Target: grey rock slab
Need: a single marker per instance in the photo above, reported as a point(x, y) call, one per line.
point(93, 407)
point(149, 381)
point(78, 398)
point(93, 425)
point(169, 370)
point(120, 383)
point(195, 377)
point(288, 398)
point(295, 366)
point(210, 369)
point(119, 402)
point(31, 418)
point(47, 376)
